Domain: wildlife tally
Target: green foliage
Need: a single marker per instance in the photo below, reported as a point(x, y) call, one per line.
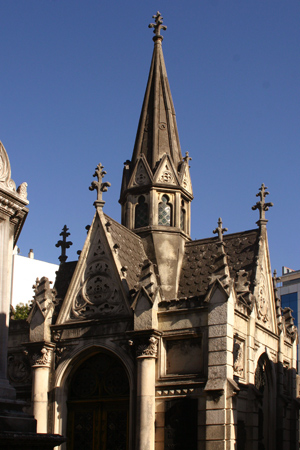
point(21, 311)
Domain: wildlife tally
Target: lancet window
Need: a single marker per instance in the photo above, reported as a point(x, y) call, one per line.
point(141, 213)
point(164, 212)
point(182, 216)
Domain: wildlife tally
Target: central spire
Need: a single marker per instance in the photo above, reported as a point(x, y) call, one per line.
point(156, 189)
point(157, 130)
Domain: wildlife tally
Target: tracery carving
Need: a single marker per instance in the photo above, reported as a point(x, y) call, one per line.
point(166, 177)
point(141, 176)
point(98, 294)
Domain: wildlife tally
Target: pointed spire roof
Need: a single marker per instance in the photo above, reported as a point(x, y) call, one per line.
point(157, 132)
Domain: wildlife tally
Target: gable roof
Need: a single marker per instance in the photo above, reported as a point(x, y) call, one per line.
point(130, 251)
point(201, 260)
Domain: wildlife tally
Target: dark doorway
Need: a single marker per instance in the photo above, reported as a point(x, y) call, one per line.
point(98, 405)
point(181, 424)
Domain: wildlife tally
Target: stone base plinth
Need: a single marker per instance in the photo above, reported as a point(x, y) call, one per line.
point(29, 441)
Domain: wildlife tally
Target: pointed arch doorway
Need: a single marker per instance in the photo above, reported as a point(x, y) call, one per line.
point(98, 405)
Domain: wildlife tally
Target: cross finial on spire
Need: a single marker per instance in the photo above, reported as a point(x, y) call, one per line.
point(187, 158)
point(157, 26)
point(64, 244)
point(101, 187)
point(261, 205)
point(220, 230)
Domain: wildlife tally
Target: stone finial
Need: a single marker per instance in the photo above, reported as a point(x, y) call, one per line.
point(261, 205)
point(64, 244)
point(157, 26)
point(187, 158)
point(220, 230)
point(99, 185)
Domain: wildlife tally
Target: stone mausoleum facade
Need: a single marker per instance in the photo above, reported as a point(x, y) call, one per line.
point(150, 340)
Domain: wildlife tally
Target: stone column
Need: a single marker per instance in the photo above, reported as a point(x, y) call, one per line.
point(146, 351)
point(41, 357)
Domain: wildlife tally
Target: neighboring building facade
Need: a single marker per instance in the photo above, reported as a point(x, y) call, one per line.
point(25, 272)
point(289, 292)
point(152, 340)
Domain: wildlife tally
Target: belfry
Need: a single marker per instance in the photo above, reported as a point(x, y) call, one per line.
point(152, 340)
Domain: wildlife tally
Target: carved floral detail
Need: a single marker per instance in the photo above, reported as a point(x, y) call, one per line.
point(42, 359)
point(149, 348)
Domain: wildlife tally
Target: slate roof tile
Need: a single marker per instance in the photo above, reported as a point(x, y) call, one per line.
point(131, 251)
point(201, 260)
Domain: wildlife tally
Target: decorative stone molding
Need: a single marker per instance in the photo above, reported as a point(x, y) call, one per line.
point(261, 299)
point(174, 392)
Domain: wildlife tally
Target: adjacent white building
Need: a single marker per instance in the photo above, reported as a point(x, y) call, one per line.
point(25, 272)
point(289, 292)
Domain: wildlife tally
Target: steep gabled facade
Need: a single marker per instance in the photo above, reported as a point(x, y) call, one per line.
point(153, 341)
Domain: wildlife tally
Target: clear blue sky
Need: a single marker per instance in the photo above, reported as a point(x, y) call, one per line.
point(73, 75)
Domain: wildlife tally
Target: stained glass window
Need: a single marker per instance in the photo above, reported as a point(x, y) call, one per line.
point(141, 213)
point(164, 212)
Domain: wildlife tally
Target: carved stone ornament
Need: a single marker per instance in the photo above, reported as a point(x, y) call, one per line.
point(149, 348)
point(18, 369)
point(261, 300)
point(141, 175)
point(238, 357)
point(5, 175)
point(98, 294)
point(5, 170)
point(166, 176)
point(43, 358)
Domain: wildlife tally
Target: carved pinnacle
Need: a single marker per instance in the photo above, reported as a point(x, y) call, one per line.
point(220, 230)
point(157, 26)
point(261, 205)
point(64, 244)
point(99, 185)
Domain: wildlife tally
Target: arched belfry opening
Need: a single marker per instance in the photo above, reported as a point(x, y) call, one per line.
point(98, 404)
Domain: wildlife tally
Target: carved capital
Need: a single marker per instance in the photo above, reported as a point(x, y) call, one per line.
point(40, 354)
point(145, 344)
